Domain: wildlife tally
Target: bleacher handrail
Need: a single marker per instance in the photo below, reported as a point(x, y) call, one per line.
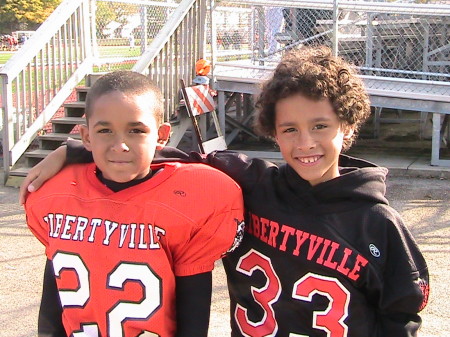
point(42, 74)
point(43, 34)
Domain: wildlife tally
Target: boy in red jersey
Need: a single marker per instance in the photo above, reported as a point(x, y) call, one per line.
point(133, 244)
point(323, 254)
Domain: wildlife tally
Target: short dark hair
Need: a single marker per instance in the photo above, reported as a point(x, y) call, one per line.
point(314, 73)
point(127, 82)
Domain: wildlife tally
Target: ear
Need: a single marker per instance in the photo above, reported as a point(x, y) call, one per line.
point(84, 132)
point(275, 138)
point(348, 133)
point(163, 135)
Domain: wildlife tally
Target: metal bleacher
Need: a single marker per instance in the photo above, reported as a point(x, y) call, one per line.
point(401, 50)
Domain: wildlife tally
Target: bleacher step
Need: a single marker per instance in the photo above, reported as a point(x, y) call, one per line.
point(16, 176)
point(39, 153)
point(59, 136)
point(69, 120)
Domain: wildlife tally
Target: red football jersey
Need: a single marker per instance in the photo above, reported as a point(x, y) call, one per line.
point(116, 254)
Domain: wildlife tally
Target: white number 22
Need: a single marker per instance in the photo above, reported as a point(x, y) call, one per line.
point(122, 310)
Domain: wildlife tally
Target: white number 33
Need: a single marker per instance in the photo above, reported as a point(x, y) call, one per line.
point(330, 320)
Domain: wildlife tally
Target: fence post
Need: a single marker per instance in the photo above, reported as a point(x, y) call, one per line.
point(261, 33)
point(88, 35)
point(212, 21)
point(144, 27)
point(8, 126)
point(202, 29)
point(93, 30)
point(335, 42)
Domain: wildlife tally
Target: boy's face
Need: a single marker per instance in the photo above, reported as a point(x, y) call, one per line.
point(122, 134)
point(310, 137)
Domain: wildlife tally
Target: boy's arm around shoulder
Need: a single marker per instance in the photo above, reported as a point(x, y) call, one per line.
point(41, 172)
point(246, 171)
point(72, 153)
point(43, 201)
point(405, 281)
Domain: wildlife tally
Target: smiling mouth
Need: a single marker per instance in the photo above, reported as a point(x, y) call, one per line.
point(120, 161)
point(308, 160)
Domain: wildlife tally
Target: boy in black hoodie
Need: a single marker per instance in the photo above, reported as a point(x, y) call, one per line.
point(323, 254)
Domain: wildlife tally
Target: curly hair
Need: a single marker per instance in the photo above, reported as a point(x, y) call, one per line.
point(314, 73)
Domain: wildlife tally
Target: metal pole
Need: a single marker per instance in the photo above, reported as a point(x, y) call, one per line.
point(212, 22)
point(261, 33)
point(93, 10)
point(335, 28)
point(144, 27)
point(8, 126)
point(202, 29)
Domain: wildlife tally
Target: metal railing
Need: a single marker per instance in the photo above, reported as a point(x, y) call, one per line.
point(41, 75)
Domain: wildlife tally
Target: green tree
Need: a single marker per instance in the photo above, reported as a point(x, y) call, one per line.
point(25, 14)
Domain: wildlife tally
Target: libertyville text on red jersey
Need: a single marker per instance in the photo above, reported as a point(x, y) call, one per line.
point(79, 228)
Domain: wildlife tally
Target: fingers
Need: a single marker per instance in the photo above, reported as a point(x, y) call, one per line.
point(22, 196)
point(33, 181)
point(30, 184)
point(36, 183)
point(43, 171)
point(25, 187)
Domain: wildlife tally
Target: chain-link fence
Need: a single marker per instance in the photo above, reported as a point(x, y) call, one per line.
point(408, 39)
point(124, 29)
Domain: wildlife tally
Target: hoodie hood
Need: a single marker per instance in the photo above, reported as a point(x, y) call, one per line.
point(360, 182)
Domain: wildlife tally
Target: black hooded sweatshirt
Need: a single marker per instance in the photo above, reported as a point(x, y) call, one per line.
point(327, 260)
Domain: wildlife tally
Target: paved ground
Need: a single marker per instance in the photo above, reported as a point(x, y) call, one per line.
point(423, 203)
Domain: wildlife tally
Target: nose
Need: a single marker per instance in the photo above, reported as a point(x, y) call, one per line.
point(120, 145)
point(304, 141)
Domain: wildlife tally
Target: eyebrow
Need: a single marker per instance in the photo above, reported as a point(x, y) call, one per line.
point(105, 123)
point(101, 123)
point(314, 120)
point(137, 124)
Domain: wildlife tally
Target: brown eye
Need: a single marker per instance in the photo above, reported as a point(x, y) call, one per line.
point(319, 127)
point(289, 130)
point(137, 131)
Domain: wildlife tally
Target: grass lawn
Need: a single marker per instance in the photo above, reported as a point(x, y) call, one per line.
point(116, 51)
point(5, 56)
